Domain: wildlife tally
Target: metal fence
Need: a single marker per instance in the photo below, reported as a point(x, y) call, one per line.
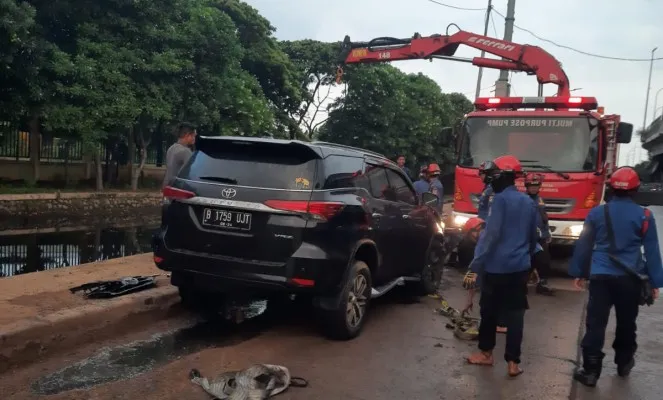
point(15, 144)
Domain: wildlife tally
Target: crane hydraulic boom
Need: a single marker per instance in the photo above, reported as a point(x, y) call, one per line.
point(532, 60)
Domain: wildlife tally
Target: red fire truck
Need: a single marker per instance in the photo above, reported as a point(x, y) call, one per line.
point(569, 140)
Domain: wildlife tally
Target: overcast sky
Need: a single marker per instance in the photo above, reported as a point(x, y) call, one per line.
point(616, 28)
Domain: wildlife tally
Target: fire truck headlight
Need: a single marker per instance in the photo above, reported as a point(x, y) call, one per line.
point(460, 220)
point(575, 230)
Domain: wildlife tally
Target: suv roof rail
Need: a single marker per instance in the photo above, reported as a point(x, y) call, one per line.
point(343, 146)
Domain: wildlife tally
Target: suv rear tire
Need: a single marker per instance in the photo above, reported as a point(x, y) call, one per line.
point(347, 321)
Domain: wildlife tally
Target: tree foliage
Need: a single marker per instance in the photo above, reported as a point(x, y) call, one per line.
point(394, 113)
point(126, 71)
point(316, 63)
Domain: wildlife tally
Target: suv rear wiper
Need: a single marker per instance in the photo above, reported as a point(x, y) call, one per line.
point(547, 168)
point(219, 179)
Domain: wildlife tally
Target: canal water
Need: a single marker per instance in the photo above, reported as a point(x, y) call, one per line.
point(23, 251)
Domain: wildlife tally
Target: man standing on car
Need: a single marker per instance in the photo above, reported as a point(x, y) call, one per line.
point(603, 255)
point(435, 185)
point(401, 164)
point(179, 153)
point(422, 185)
point(503, 259)
point(541, 261)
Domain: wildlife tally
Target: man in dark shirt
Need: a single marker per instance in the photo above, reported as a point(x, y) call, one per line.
point(401, 163)
point(179, 153)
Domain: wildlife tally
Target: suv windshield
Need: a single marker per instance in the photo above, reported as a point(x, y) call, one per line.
point(561, 144)
point(263, 165)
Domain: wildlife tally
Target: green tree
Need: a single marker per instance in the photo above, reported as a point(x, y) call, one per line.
point(392, 113)
point(316, 64)
point(264, 59)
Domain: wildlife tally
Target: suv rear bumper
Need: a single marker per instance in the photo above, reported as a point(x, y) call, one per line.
point(310, 270)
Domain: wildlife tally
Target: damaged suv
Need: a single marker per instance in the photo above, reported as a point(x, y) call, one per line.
point(332, 223)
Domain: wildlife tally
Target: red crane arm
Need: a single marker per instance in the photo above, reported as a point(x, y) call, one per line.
point(532, 60)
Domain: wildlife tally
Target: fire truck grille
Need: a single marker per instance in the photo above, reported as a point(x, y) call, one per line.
point(558, 206)
point(553, 206)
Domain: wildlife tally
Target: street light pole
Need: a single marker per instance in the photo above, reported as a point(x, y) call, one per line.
point(651, 68)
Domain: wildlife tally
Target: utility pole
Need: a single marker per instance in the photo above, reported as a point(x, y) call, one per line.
point(502, 86)
point(636, 155)
point(651, 67)
point(483, 53)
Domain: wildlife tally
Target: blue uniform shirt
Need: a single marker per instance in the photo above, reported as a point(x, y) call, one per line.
point(421, 186)
point(542, 224)
point(591, 249)
point(510, 237)
point(437, 189)
point(484, 202)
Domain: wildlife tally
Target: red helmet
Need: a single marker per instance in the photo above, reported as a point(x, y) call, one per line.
point(474, 223)
point(508, 163)
point(625, 178)
point(434, 169)
point(533, 179)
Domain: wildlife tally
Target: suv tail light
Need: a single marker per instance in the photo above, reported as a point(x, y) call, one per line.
point(317, 209)
point(172, 193)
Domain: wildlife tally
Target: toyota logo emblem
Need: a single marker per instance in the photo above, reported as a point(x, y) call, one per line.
point(229, 193)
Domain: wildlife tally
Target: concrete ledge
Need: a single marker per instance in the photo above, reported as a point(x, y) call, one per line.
point(15, 208)
point(27, 341)
point(77, 195)
point(40, 317)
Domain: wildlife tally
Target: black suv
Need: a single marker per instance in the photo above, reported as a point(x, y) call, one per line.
point(265, 216)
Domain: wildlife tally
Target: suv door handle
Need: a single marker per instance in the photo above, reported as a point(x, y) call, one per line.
point(376, 215)
point(406, 216)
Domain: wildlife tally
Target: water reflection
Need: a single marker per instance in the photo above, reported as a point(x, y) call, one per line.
point(22, 253)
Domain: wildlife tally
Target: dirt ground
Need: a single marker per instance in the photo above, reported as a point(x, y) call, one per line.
point(39, 294)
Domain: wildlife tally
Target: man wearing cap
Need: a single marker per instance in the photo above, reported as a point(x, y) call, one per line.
point(503, 259)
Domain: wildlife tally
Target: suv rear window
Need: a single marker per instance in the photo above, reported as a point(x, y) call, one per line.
point(264, 165)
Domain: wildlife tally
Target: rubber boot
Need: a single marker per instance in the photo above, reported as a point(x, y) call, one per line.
point(543, 288)
point(624, 370)
point(590, 372)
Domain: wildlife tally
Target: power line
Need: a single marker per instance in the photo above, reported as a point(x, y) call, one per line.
point(456, 7)
point(586, 53)
point(576, 50)
point(482, 89)
point(492, 21)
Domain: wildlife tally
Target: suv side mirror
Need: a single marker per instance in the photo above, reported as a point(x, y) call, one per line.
point(429, 199)
point(624, 132)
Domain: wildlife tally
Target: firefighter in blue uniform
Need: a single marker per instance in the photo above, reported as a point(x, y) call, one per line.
point(422, 185)
point(485, 170)
point(633, 228)
point(435, 185)
point(503, 259)
point(541, 260)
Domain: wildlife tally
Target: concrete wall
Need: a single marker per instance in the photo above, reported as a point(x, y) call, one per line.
point(78, 205)
point(54, 171)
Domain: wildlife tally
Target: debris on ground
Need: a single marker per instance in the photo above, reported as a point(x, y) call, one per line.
point(260, 381)
point(464, 326)
point(119, 287)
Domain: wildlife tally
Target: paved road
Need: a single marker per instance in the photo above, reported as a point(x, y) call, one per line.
point(405, 353)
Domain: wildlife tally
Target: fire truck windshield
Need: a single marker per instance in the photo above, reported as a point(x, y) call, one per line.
point(561, 144)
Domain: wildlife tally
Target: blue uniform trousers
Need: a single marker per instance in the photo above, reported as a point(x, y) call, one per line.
point(606, 291)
